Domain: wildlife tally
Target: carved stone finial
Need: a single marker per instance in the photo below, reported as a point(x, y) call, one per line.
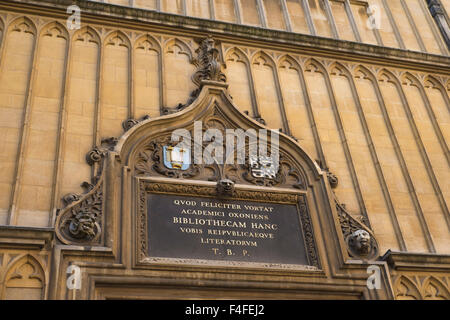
point(225, 187)
point(209, 66)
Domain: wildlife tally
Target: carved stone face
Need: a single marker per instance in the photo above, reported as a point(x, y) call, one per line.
point(83, 225)
point(225, 187)
point(360, 242)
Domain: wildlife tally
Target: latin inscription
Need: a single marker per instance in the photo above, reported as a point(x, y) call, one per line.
point(214, 229)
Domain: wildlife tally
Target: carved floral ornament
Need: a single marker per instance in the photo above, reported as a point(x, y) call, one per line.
point(143, 149)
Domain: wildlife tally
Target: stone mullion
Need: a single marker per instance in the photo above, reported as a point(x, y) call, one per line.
point(162, 79)
point(262, 13)
point(344, 141)
point(238, 11)
point(312, 120)
point(131, 82)
point(309, 20)
point(331, 19)
point(426, 160)
point(3, 41)
point(377, 33)
point(212, 10)
point(255, 103)
point(435, 123)
point(23, 138)
point(287, 19)
point(281, 102)
point(413, 26)
point(183, 8)
point(351, 18)
point(378, 168)
point(60, 143)
point(405, 171)
point(96, 141)
point(158, 5)
point(393, 24)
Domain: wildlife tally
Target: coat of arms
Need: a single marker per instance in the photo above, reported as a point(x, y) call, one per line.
point(263, 167)
point(177, 158)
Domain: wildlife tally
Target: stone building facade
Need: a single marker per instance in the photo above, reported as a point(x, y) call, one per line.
point(361, 87)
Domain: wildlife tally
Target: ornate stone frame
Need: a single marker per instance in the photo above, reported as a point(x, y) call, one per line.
point(117, 258)
point(208, 189)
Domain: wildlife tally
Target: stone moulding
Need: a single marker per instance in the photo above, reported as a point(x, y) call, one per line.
point(325, 46)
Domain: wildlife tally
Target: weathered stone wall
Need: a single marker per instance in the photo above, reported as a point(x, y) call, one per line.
point(383, 131)
point(403, 24)
point(378, 119)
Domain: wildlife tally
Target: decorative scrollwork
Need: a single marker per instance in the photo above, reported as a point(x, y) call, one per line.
point(95, 155)
point(81, 220)
point(308, 232)
point(130, 123)
point(70, 197)
point(194, 94)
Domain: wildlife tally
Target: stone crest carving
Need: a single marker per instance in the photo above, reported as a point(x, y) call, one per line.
point(150, 162)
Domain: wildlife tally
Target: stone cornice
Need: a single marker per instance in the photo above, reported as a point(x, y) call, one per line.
point(140, 19)
point(408, 261)
point(26, 237)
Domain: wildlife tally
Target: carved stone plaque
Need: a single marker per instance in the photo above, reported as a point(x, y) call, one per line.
point(204, 228)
